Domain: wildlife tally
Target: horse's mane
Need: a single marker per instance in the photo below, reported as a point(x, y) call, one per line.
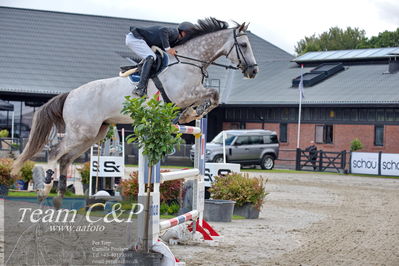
point(203, 27)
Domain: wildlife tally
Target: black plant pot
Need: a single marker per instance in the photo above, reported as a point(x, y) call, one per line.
point(3, 190)
point(85, 189)
point(247, 210)
point(26, 185)
point(216, 210)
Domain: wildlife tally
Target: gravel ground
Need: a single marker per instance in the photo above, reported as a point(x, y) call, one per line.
point(311, 219)
point(307, 219)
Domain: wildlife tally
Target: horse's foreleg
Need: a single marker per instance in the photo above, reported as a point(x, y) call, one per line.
point(209, 102)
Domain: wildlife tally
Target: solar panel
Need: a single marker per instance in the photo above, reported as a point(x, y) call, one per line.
point(372, 53)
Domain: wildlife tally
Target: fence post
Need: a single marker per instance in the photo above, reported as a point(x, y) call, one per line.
point(350, 162)
point(379, 162)
point(321, 161)
point(343, 160)
point(298, 159)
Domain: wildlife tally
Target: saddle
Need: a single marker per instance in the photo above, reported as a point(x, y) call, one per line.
point(160, 64)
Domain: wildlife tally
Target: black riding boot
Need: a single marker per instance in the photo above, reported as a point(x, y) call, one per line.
point(141, 88)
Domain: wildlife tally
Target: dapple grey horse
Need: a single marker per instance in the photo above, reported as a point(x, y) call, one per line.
point(85, 112)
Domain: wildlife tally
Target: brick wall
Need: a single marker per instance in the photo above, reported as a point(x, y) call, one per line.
point(342, 137)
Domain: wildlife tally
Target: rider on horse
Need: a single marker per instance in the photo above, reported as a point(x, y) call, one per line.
point(139, 40)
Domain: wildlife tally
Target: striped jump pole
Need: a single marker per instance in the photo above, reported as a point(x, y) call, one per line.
point(189, 216)
point(196, 174)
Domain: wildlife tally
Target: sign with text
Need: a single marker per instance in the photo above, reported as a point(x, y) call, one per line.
point(390, 164)
point(216, 169)
point(364, 163)
point(109, 166)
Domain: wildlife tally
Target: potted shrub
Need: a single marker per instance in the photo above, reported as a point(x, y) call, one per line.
point(248, 193)
point(6, 180)
point(85, 175)
point(27, 173)
point(3, 134)
point(169, 192)
point(356, 145)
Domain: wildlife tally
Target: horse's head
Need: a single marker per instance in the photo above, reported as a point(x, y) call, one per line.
point(239, 51)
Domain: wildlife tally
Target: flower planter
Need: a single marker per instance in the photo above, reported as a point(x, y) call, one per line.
point(20, 184)
point(85, 189)
point(218, 210)
point(247, 210)
point(3, 190)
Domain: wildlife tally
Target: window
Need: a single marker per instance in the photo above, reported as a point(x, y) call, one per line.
point(270, 139)
point(380, 115)
point(242, 140)
point(379, 135)
point(255, 140)
point(283, 132)
point(324, 134)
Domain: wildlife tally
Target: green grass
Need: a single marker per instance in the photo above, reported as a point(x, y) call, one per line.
point(162, 166)
point(33, 194)
point(167, 216)
point(237, 217)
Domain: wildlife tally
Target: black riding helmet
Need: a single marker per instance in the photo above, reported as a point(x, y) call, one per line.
point(186, 26)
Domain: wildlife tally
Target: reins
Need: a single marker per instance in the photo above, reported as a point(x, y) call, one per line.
point(239, 52)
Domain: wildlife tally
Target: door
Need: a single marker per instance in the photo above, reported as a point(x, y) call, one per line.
point(240, 151)
point(256, 147)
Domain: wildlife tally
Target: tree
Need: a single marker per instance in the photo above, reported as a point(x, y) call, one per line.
point(351, 38)
point(384, 39)
point(334, 39)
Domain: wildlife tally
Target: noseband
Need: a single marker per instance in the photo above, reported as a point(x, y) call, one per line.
point(240, 54)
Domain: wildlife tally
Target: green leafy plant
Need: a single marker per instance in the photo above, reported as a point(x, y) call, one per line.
point(4, 133)
point(241, 188)
point(15, 146)
point(84, 171)
point(163, 208)
point(169, 190)
point(356, 145)
point(152, 125)
point(130, 187)
point(168, 209)
point(27, 171)
point(154, 133)
point(5, 172)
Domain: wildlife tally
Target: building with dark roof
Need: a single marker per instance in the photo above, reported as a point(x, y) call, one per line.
point(348, 94)
point(45, 53)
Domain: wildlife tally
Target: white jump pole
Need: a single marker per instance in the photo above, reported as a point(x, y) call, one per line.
point(198, 189)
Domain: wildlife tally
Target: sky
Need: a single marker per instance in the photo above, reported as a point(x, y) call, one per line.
point(281, 22)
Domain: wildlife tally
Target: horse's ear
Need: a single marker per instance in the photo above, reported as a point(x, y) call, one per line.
point(241, 27)
point(246, 27)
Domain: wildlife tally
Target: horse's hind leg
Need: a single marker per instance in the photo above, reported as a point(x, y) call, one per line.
point(74, 151)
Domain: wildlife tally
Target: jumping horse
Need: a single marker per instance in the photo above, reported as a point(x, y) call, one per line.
point(85, 113)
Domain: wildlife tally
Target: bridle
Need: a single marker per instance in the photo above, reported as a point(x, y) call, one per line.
point(238, 50)
point(240, 54)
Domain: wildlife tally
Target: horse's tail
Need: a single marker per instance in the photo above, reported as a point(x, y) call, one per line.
point(45, 118)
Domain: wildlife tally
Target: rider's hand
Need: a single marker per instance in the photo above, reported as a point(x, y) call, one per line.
point(171, 51)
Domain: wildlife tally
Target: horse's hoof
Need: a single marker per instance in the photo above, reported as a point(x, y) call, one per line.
point(57, 202)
